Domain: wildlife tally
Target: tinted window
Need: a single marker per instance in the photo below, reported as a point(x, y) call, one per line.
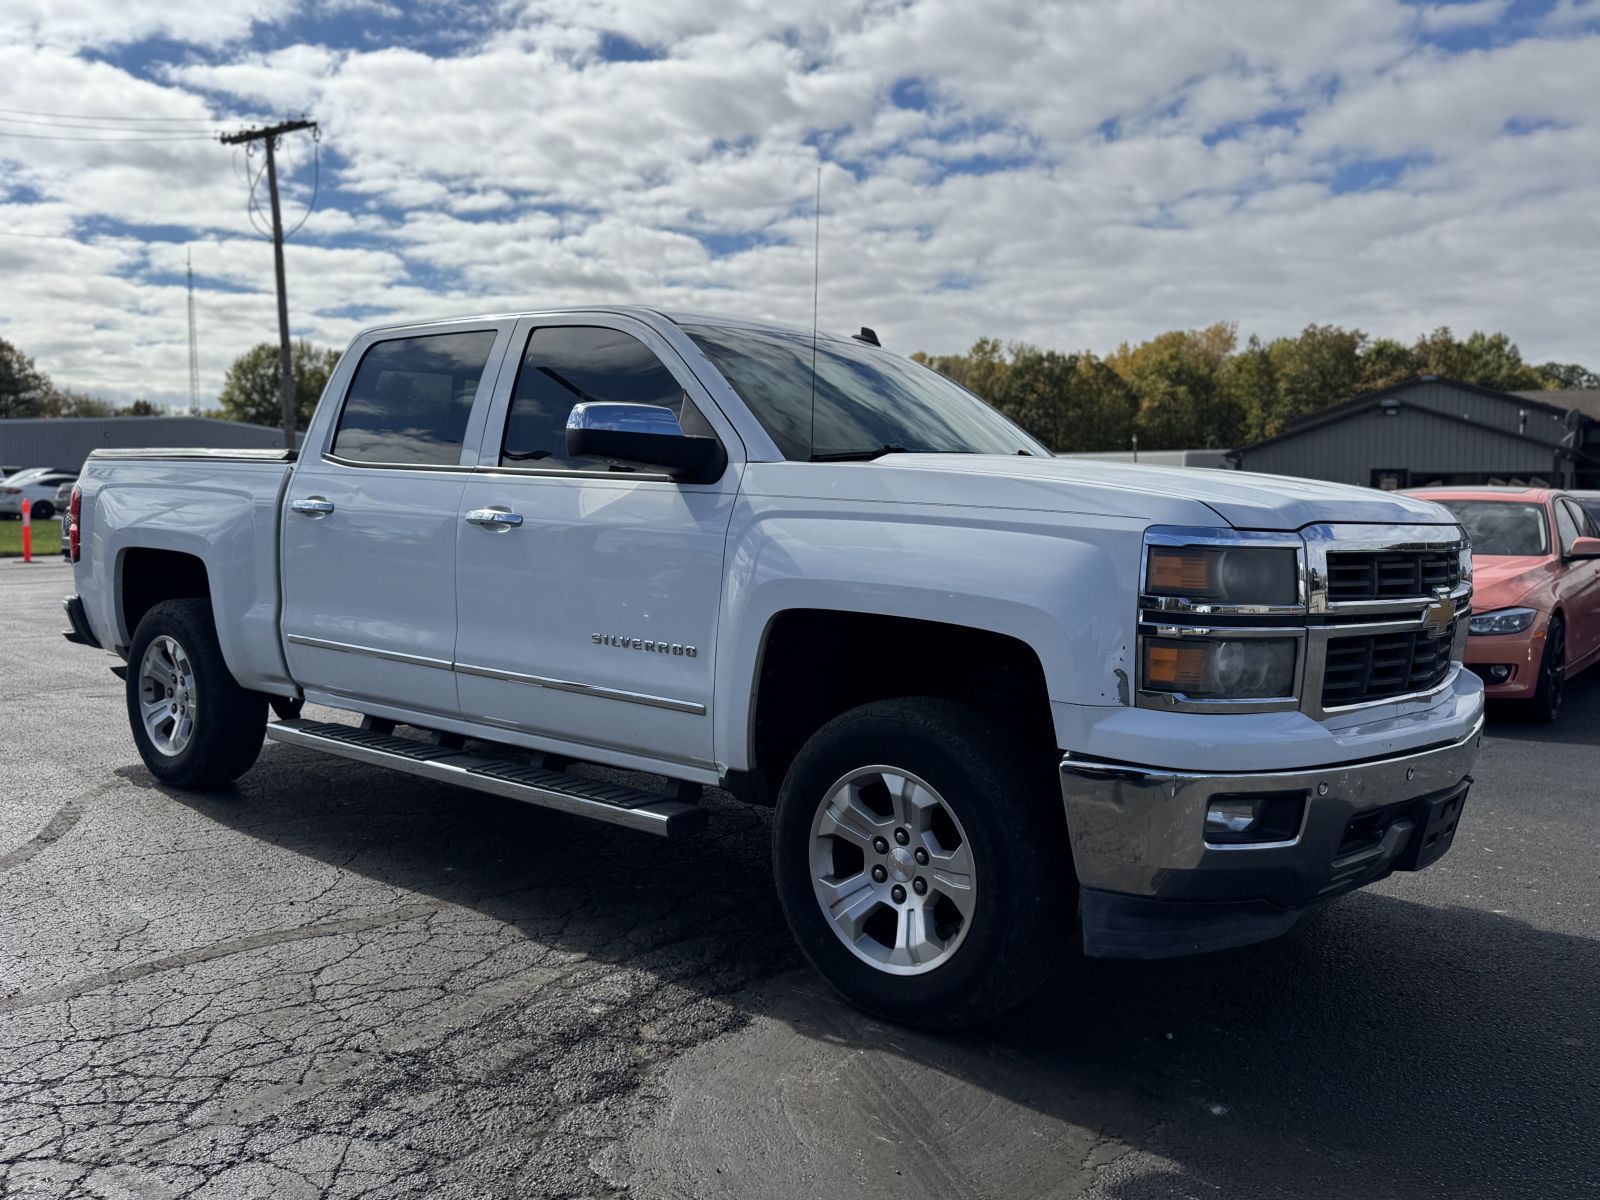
point(1591, 507)
point(410, 399)
point(569, 364)
point(865, 398)
point(1503, 527)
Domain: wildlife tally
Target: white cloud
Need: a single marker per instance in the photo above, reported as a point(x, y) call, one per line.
point(1080, 174)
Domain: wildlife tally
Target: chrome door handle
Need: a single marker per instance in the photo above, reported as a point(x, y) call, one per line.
point(497, 519)
point(315, 506)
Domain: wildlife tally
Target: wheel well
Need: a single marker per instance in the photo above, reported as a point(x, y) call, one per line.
point(151, 576)
point(817, 664)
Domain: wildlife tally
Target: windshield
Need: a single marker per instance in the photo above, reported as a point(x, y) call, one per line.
point(866, 398)
point(1502, 528)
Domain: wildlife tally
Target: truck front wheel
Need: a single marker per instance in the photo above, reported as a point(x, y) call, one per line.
point(922, 864)
point(194, 725)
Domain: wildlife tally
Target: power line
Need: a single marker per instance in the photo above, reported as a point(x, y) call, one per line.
point(30, 112)
point(108, 126)
point(65, 137)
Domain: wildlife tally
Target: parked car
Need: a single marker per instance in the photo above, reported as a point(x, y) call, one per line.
point(35, 488)
point(64, 510)
point(1536, 580)
point(1591, 504)
point(995, 696)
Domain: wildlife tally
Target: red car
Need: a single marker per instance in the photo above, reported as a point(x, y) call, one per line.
point(1535, 589)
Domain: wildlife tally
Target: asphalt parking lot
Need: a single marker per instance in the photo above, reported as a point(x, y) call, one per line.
point(334, 980)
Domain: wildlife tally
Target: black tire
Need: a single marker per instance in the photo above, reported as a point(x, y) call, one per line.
point(1025, 892)
point(43, 510)
point(229, 722)
point(1546, 702)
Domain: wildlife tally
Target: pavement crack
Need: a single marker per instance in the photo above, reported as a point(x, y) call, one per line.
point(57, 827)
point(222, 949)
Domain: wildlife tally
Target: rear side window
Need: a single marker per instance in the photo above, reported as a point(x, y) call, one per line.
point(410, 399)
point(570, 364)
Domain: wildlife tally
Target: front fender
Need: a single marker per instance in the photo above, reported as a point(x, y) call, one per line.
point(1064, 589)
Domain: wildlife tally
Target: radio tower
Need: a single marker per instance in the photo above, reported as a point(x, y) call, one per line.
point(194, 342)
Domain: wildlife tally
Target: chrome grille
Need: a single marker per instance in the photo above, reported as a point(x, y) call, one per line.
point(1390, 575)
point(1381, 666)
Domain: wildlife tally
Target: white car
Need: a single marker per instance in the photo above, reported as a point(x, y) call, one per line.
point(37, 488)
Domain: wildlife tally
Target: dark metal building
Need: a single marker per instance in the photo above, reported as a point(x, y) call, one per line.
point(66, 441)
point(1440, 431)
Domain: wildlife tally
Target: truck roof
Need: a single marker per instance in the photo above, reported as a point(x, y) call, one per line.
point(677, 317)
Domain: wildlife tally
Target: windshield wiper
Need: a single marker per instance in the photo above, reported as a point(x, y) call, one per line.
point(860, 455)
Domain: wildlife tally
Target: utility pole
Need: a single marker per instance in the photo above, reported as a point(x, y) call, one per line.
point(194, 344)
point(270, 134)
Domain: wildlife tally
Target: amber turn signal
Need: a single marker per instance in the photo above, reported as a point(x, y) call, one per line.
point(1181, 572)
point(1177, 668)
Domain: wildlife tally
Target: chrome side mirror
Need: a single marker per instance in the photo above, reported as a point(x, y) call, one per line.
point(642, 435)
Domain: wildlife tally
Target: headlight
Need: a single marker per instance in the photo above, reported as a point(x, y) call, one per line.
point(1502, 620)
point(1225, 575)
point(1220, 669)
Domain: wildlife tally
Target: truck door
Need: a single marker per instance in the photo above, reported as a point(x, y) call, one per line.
point(589, 615)
point(369, 531)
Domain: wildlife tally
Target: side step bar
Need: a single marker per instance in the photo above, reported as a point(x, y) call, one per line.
point(660, 815)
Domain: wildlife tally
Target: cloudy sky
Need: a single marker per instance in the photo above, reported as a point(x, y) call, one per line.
point(1073, 174)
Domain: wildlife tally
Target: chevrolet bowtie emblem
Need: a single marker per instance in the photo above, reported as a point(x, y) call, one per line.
point(1439, 616)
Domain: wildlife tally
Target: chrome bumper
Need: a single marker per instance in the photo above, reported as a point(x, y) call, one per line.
point(1140, 832)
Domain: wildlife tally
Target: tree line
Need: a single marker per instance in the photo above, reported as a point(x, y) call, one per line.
point(1184, 389)
point(1199, 389)
point(249, 390)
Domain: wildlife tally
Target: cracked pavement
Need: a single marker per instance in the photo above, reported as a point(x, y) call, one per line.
point(339, 981)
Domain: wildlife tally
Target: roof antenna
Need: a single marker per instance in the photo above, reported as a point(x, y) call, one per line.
point(816, 289)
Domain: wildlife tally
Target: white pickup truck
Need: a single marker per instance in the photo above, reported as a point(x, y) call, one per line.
point(997, 698)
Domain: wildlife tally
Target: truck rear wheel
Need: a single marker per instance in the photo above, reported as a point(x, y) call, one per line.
point(922, 864)
point(194, 725)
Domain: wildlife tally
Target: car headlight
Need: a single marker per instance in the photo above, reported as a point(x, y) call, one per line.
point(1220, 668)
point(1502, 620)
point(1241, 575)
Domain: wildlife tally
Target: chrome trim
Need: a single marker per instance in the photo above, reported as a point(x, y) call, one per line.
point(496, 519)
point(560, 685)
point(315, 507)
point(1141, 830)
point(415, 660)
point(395, 466)
point(583, 689)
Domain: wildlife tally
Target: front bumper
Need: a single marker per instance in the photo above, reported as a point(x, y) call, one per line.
point(1521, 653)
point(1154, 887)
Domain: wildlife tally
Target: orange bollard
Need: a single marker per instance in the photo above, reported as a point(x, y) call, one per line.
point(27, 531)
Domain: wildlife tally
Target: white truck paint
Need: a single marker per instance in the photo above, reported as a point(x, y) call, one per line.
point(569, 633)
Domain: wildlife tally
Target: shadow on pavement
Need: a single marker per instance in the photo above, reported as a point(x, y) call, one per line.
point(1385, 1048)
point(1577, 724)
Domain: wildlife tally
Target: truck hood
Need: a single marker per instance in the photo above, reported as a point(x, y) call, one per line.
point(1161, 494)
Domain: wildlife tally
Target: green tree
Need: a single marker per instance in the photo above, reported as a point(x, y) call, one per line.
point(1566, 375)
point(1487, 359)
point(1319, 368)
point(24, 389)
point(139, 408)
point(250, 389)
point(1178, 379)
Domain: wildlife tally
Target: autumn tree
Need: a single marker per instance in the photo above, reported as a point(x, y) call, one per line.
point(250, 389)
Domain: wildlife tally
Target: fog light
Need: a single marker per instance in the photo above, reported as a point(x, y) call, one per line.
point(1230, 816)
point(1496, 673)
point(1247, 819)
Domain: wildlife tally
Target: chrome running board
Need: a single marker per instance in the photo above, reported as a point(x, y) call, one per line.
point(510, 777)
